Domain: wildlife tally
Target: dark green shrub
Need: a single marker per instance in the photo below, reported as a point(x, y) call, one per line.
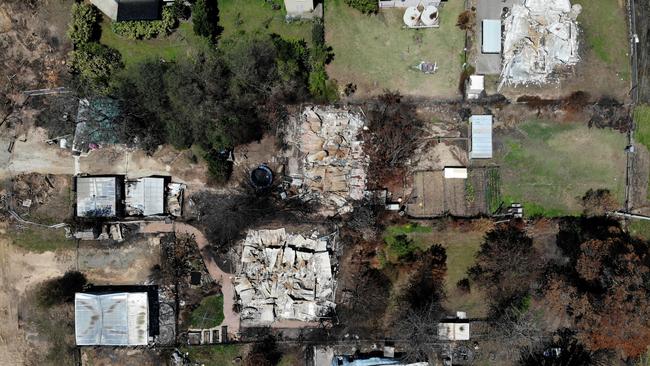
point(84, 25)
point(205, 17)
point(95, 64)
point(364, 6)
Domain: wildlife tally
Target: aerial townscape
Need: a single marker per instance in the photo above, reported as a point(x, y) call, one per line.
point(324, 182)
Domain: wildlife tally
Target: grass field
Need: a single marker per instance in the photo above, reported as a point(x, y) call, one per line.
point(549, 166)
point(209, 313)
point(40, 239)
point(642, 133)
point(461, 247)
point(605, 27)
point(217, 355)
point(251, 16)
point(376, 53)
point(181, 43)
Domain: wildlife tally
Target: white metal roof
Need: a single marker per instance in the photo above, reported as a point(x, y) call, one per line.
point(455, 173)
point(453, 331)
point(119, 319)
point(145, 196)
point(96, 196)
point(491, 33)
point(481, 137)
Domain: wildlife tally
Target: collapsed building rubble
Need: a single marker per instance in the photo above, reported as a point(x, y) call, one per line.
point(540, 36)
point(285, 277)
point(327, 162)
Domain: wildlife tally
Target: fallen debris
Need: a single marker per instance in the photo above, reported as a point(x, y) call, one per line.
point(285, 277)
point(328, 162)
point(540, 37)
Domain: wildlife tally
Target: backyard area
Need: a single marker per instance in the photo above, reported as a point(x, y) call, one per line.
point(249, 16)
point(376, 52)
point(181, 43)
point(549, 166)
point(461, 242)
point(208, 314)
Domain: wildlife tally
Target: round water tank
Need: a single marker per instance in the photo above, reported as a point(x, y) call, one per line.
point(429, 15)
point(262, 177)
point(411, 16)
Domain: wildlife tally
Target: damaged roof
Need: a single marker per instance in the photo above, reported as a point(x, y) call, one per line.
point(145, 196)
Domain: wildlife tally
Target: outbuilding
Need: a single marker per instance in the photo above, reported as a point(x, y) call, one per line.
point(114, 319)
point(145, 196)
point(98, 196)
point(124, 10)
point(481, 136)
point(491, 36)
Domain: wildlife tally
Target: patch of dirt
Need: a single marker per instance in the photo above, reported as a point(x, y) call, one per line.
point(106, 356)
point(20, 271)
point(126, 263)
point(34, 44)
point(42, 198)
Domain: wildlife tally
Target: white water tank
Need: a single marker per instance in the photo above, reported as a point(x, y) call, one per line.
point(411, 16)
point(429, 16)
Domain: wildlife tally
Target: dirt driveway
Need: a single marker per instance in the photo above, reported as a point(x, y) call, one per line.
point(32, 155)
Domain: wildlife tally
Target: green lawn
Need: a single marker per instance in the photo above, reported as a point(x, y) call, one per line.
point(605, 27)
point(40, 239)
point(376, 52)
point(461, 247)
point(217, 355)
point(251, 16)
point(209, 313)
point(549, 166)
point(639, 228)
point(642, 133)
point(181, 43)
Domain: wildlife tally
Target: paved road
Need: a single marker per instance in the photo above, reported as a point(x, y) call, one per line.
point(231, 319)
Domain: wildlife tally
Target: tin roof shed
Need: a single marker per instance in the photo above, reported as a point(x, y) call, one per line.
point(145, 196)
point(491, 35)
point(97, 196)
point(117, 319)
point(481, 137)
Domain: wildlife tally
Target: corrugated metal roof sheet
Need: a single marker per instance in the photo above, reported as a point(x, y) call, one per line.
point(119, 319)
point(96, 196)
point(145, 196)
point(481, 137)
point(491, 36)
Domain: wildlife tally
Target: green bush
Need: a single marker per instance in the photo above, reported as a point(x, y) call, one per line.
point(205, 16)
point(147, 29)
point(318, 32)
point(321, 88)
point(364, 6)
point(84, 26)
point(95, 64)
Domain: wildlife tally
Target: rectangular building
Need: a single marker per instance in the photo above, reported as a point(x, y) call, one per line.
point(491, 35)
point(98, 196)
point(481, 137)
point(116, 319)
point(145, 196)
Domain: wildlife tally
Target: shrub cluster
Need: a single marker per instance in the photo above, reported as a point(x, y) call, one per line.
point(364, 6)
point(84, 25)
point(140, 29)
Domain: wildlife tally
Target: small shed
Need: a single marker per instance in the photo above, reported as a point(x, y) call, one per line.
point(124, 10)
point(455, 173)
point(97, 196)
point(491, 36)
point(453, 331)
point(481, 136)
point(297, 7)
point(475, 86)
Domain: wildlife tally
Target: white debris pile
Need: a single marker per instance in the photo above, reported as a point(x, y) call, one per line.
point(539, 37)
point(330, 164)
point(284, 277)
